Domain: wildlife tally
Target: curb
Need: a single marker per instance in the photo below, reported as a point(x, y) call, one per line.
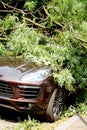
point(73, 123)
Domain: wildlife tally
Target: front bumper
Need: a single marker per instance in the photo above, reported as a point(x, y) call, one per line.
point(33, 106)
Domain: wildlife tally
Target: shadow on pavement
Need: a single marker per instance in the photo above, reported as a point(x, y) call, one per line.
point(14, 116)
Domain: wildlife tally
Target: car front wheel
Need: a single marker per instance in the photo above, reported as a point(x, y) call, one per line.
point(55, 105)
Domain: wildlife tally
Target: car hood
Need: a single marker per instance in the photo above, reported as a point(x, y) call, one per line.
point(11, 68)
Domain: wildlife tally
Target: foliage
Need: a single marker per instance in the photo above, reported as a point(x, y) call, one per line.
point(8, 22)
point(30, 5)
point(29, 124)
point(50, 32)
point(2, 49)
point(80, 106)
point(72, 110)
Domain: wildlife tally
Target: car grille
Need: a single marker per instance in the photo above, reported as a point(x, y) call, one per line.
point(30, 92)
point(5, 89)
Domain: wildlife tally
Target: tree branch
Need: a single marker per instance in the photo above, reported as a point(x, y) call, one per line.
point(14, 9)
point(34, 23)
point(75, 35)
point(78, 38)
point(3, 39)
point(47, 13)
point(6, 11)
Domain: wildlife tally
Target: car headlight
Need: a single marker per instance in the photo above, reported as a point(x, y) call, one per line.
point(36, 75)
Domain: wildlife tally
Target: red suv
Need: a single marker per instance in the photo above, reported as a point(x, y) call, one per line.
point(26, 87)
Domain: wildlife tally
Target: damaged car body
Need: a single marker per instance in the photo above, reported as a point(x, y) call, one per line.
point(27, 87)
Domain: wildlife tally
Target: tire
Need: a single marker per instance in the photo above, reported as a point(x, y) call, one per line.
point(55, 105)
